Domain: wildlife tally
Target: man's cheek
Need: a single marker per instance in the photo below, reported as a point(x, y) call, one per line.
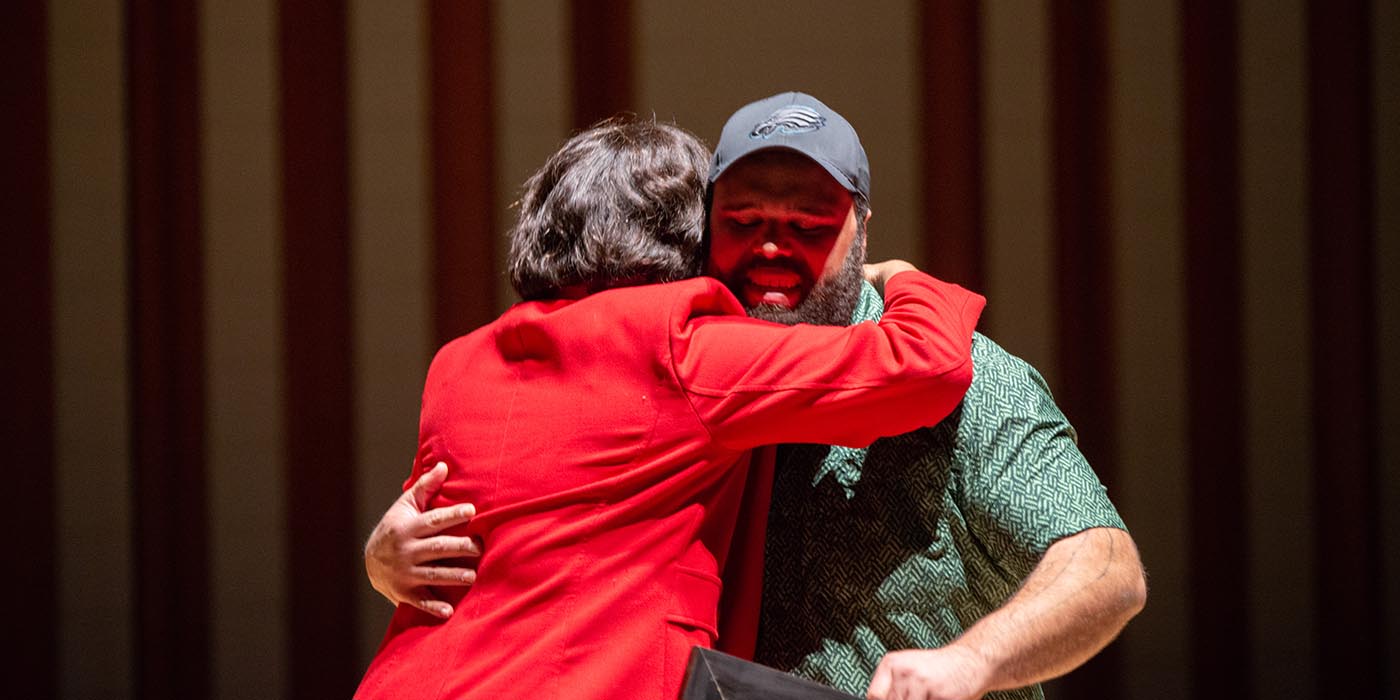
point(722, 259)
point(714, 265)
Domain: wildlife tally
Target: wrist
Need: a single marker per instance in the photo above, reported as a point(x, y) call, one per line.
point(980, 669)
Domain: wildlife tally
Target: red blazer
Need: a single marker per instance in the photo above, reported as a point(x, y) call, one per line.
point(603, 442)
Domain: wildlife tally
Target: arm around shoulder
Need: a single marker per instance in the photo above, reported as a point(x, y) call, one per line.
point(755, 383)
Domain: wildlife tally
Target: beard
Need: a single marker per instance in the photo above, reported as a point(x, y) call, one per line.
point(831, 301)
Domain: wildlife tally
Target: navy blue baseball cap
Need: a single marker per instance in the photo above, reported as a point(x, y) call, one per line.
point(798, 122)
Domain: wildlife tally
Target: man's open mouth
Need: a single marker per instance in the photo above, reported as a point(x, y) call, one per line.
point(777, 286)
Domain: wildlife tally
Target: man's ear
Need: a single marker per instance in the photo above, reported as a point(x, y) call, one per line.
point(868, 212)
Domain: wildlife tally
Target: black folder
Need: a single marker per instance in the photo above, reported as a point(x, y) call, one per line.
point(713, 675)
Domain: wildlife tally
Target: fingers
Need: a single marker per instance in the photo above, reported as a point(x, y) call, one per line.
point(427, 485)
point(407, 554)
point(425, 600)
point(445, 547)
point(439, 519)
point(877, 274)
point(880, 682)
point(872, 274)
point(442, 575)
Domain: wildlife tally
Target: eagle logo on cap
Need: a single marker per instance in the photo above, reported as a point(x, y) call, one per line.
point(789, 120)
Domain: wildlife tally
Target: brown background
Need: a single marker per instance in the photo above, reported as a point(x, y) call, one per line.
point(235, 232)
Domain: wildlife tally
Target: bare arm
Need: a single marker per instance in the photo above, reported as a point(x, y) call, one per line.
point(1076, 600)
point(401, 553)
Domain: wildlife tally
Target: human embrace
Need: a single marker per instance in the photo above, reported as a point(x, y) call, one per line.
point(610, 434)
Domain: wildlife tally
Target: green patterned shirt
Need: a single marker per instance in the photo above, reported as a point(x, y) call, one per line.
point(910, 541)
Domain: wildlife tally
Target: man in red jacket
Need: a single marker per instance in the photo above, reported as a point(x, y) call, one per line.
point(978, 557)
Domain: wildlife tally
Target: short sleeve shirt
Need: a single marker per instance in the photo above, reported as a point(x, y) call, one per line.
point(910, 541)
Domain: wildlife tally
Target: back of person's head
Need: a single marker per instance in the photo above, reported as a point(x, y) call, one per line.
point(617, 205)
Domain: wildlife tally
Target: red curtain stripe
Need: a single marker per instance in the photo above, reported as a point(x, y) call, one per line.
point(26, 355)
point(462, 130)
point(1345, 468)
point(1083, 243)
point(602, 59)
point(952, 138)
point(1216, 461)
point(322, 542)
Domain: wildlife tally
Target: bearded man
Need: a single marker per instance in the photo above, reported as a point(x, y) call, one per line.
point(977, 557)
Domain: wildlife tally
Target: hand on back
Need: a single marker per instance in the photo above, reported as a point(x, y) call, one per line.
point(405, 554)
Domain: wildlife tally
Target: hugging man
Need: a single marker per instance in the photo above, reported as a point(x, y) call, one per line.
point(979, 556)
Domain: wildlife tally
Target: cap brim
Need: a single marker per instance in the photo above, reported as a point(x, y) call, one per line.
point(830, 169)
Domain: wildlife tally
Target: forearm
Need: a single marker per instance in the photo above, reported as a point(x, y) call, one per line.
point(1074, 603)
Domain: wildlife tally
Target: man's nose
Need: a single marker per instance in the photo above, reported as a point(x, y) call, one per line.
point(769, 249)
point(771, 243)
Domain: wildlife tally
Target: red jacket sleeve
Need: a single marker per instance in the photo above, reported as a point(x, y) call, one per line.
point(756, 383)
